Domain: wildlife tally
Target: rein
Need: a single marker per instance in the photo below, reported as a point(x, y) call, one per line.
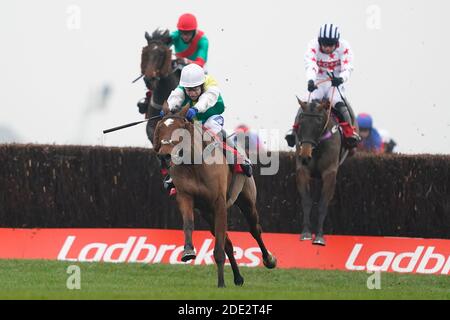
point(323, 134)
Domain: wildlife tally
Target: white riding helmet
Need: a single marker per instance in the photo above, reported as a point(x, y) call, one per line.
point(192, 76)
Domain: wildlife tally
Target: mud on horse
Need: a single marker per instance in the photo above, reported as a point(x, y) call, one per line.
point(211, 188)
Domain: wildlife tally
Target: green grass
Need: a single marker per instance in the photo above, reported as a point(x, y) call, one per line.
point(38, 279)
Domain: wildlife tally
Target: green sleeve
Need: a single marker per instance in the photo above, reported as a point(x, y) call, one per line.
point(202, 50)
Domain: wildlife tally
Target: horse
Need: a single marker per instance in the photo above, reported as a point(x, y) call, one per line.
point(159, 73)
point(211, 188)
point(319, 153)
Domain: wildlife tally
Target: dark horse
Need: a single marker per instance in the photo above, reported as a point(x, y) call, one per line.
point(318, 156)
point(209, 187)
point(159, 75)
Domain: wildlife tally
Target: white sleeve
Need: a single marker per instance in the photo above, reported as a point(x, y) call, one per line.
point(346, 63)
point(310, 58)
point(208, 99)
point(175, 99)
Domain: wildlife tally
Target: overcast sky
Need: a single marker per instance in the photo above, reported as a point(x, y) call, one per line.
point(56, 56)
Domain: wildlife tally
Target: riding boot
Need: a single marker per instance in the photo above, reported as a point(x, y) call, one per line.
point(351, 137)
point(144, 102)
point(241, 163)
point(167, 179)
point(291, 135)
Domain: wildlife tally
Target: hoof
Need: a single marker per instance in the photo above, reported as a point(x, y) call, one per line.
point(188, 255)
point(271, 262)
point(239, 281)
point(306, 236)
point(320, 241)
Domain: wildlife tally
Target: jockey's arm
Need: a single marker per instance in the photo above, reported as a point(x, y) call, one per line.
point(202, 52)
point(310, 59)
point(175, 99)
point(208, 99)
point(346, 63)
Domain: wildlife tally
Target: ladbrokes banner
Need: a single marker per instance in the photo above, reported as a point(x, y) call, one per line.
point(427, 256)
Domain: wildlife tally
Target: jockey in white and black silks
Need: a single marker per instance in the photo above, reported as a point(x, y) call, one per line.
point(329, 54)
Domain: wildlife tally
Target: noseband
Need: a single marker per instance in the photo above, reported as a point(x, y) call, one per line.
point(314, 115)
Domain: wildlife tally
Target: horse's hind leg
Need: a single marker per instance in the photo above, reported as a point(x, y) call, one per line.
point(185, 204)
point(238, 279)
point(220, 227)
point(328, 187)
point(246, 203)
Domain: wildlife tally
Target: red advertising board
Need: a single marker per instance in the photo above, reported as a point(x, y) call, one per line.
point(390, 254)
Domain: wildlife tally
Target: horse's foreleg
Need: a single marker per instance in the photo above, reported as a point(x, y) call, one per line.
point(303, 185)
point(328, 187)
point(220, 228)
point(238, 279)
point(186, 206)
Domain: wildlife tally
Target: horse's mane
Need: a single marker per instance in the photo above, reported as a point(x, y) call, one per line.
point(161, 35)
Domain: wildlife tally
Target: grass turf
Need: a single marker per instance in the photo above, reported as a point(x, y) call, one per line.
point(39, 279)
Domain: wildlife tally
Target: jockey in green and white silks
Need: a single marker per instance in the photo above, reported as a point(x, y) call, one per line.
point(207, 101)
point(202, 94)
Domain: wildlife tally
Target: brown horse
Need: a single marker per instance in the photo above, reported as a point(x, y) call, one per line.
point(318, 156)
point(159, 75)
point(210, 187)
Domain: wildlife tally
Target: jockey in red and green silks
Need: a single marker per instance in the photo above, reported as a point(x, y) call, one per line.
point(191, 44)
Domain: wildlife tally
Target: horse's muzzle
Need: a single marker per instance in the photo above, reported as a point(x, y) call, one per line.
point(306, 153)
point(164, 157)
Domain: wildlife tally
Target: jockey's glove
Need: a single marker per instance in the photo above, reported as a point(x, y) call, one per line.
point(337, 81)
point(161, 113)
point(192, 112)
point(311, 86)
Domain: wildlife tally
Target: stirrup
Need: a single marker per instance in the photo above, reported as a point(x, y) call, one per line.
point(247, 168)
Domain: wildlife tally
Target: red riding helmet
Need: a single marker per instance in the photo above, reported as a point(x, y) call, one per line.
point(187, 22)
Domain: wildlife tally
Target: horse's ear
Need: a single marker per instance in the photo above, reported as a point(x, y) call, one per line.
point(302, 103)
point(165, 107)
point(184, 110)
point(156, 141)
point(147, 37)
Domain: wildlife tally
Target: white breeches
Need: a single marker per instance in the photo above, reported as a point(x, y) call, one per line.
point(214, 123)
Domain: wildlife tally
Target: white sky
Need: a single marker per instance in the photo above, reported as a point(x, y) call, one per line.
point(49, 72)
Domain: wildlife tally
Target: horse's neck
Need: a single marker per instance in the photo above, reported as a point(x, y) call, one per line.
point(199, 132)
point(164, 87)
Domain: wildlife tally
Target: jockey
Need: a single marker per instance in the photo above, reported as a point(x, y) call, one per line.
point(191, 46)
point(203, 95)
point(371, 139)
point(328, 53)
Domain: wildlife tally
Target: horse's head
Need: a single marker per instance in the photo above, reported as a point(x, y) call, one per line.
point(165, 132)
point(312, 121)
point(156, 58)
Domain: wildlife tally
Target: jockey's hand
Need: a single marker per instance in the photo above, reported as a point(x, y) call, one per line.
point(192, 112)
point(311, 86)
point(183, 61)
point(337, 81)
point(161, 113)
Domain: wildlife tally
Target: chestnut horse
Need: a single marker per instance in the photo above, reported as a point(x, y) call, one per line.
point(319, 153)
point(159, 75)
point(210, 187)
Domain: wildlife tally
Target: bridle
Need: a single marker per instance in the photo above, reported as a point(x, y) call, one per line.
point(157, 73)
point(314, 115)
point(172, 116)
